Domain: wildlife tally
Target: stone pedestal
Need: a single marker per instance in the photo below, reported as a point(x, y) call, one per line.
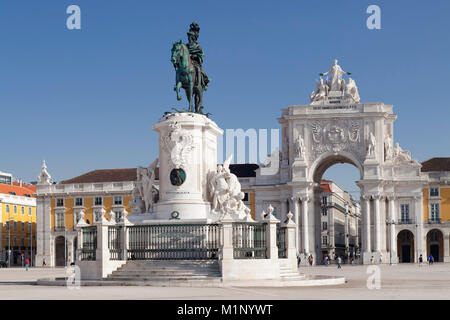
point(187, 153)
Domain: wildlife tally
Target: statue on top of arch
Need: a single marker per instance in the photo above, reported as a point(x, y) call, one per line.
point(335, 86)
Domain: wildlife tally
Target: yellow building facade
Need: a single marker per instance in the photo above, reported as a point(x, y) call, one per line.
point(18, 224)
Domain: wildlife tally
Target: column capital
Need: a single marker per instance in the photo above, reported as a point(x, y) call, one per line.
point(418, 197)
point(377, 196)
point(305, 198)
point(391, 197)
point(294, 198)
point(366, 196)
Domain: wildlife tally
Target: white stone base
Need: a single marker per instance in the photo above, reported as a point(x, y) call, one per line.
point(187, 209)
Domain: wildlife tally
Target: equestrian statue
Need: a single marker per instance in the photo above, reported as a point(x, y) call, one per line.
point(187, 60)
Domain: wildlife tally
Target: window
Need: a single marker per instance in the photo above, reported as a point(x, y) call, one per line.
point(98, 201)
point(404, 209)
point(435, 211)
point(29, 227)
point(434, 236)
point(324, 211)
point(22, 227)
point(60, 202)
point(15, 242)
point(22, 210)
point(29, 211)
point(324, 200)
point(22, 242)
point(434, 192)
point(324, 241)
point(15, 209)
point(117, 201)
point(324, 226)
point(7, 208)
point(118, 215)
point(15, 226)
point(60, 223)
point(79, 202)
point(7, 226)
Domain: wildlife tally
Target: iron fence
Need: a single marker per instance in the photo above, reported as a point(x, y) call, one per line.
point(89, 243)
point(281, 242)
point(114, 242)
point(249, 240)
point(167, 242)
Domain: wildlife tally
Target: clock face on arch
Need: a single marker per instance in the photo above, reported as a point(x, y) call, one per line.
point(177, 177)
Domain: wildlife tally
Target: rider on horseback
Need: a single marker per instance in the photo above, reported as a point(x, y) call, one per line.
point(196, 54)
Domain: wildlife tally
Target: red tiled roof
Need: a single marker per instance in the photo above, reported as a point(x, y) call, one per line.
point(106, 175)
point(325, 185)
point(436, 164)
point(28, 186)
point(19, 191)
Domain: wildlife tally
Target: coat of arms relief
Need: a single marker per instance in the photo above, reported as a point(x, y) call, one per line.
point(336, 136)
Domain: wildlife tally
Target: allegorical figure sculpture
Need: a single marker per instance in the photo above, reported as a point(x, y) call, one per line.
point(188, 60)
point(371, 146)
point(300, 147)
point(321, 91)
point(336, 72)
point(351, 90)
point(225, 192)
point(145, 193)
point(388, 149)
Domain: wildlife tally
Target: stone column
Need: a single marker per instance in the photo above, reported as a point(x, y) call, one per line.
point(296, 220)
point(392, 237)
point(291, 251)
point(420, 238)
point(376, 222)
point(283, 209)
point(446, 247)
point(305, 220)
point(366, 240)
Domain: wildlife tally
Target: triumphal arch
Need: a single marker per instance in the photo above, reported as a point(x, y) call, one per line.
point(336, 127)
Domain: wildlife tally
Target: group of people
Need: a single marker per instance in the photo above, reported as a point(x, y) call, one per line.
point(430, 260)
point(326, 260)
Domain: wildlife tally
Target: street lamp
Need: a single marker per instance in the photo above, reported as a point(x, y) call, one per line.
point(390, 223)
point(9, 238)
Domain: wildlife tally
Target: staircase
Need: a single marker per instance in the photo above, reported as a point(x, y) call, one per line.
point(168, 272)
point(287, 273)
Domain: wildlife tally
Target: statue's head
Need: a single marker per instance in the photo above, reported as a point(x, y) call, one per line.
point(335, 61)
point(194, 30)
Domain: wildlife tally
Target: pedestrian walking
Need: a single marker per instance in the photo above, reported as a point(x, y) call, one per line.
point(326, 260)
point(27, 263)
point(310, 259)
point(353, 261)
point(43, 262)
point(430, 260)
point(299, 260)
point(339, 262)
point(420, 260)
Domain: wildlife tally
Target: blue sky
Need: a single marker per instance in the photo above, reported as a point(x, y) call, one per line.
point(86, 99)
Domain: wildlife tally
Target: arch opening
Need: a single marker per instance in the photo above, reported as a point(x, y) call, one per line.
point(405, 246)
point(337, 211)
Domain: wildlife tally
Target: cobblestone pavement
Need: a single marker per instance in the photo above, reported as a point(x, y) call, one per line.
point(405, 281)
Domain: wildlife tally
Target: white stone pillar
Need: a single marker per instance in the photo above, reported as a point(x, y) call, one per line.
point(366, 240)
point(446, 240)
point(284, 210)
point(305, 226)
point(271, 238)
point(291, 251)
point(392, 235)
point(420, 237)
point(296, 220)
point(377, 225)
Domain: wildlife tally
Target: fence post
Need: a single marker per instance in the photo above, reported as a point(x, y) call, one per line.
point(79, 227)
point(291, 251)
point(271, 234)
point(124, 222)
point(227, 241)
point(102, 252)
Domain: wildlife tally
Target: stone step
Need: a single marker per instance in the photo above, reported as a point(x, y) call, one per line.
point(151, 273)
point(165, 277)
